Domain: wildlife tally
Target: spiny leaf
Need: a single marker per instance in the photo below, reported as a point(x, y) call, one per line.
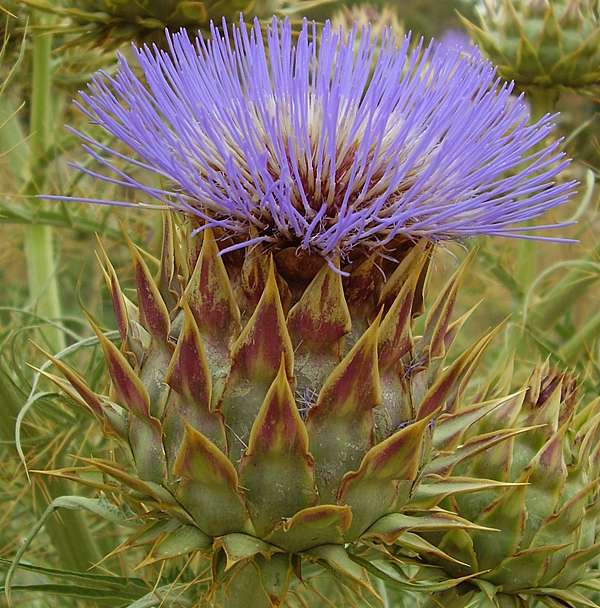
point(182, 541)
point(394, 335)
point(420, 546)
point(130, 391)
point(167, 275)
point(189, 375)
point(433, 489)
point(321, 317)
point(438, 319)
point(444, 463)
point(450, 428)
point(257, 352)
point(336, 558)
point(506, 513)
point(145, 488)
point(416, 259)
point(389, 528)
point(240, 547)
point(116, 293)
point(188, 372)
point(396, 577)
point(451, 378)
point(76, 387)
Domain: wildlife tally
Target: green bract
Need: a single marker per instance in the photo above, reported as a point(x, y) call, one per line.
point(280, 415)
point(541, 42)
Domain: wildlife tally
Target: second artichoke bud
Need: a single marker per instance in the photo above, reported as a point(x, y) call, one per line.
point(541, 42)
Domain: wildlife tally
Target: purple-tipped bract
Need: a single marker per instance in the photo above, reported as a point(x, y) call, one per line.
point(324, 141)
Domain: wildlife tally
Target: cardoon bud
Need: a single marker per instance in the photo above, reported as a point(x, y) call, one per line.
point(539, 43)
point(549, 519)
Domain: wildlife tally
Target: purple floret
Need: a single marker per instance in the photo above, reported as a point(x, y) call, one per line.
point(323, 141)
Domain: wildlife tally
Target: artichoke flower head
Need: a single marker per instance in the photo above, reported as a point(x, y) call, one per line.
point(280, 408)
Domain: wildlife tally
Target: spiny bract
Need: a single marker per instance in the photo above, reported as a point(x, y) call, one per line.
point(279, 414)
point(541, 42)
point(550, 538)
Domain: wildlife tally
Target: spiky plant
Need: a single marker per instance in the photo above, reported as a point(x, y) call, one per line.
point(113, 22)
point(275, 394)
point(550, 537)
point(545, 43)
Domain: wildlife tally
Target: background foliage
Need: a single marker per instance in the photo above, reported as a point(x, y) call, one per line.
point(48, 268)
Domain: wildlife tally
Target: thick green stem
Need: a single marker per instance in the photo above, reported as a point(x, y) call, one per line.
point(39, 245)
point(69, 535)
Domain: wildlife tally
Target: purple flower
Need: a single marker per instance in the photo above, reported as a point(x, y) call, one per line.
point(323, 141)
